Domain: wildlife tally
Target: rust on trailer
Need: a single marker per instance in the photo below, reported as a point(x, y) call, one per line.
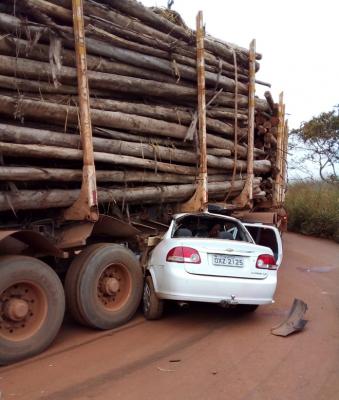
point(76, 235)
point(246, 196)
point(280, 145)
point(28, 242)
point(114, 227)
point(284, 166)
point(264, 217)
point(86, 206)
point(199, 201)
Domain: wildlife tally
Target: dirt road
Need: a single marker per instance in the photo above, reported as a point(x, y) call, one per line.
point(205, 352)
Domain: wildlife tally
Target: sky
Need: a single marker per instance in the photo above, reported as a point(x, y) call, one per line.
point(299, 41)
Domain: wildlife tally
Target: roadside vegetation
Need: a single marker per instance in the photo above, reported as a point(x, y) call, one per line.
point(313, 209)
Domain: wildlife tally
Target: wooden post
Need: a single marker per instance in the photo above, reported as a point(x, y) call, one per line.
point(86, 206)
point(246, 196)
point(199, 201)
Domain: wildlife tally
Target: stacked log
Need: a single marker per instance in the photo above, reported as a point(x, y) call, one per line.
point(142, 76)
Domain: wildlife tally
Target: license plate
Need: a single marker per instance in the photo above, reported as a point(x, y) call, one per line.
point(228, 261)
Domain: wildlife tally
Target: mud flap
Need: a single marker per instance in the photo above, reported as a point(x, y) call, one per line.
point(294, 322)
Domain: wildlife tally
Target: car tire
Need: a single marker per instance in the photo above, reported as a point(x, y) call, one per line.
point(153, 307)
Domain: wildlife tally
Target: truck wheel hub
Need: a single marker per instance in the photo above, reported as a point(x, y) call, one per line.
point(111, 286)
point(16, 309)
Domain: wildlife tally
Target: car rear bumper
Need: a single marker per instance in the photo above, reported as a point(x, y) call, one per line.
point(174, 283)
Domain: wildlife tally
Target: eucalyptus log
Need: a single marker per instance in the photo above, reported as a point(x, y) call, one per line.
point(44, 151)
point(27, 85)
point(270, 101)
point(109, 50)
point(101, 48)
point(224, 113)
point(130, 137)
point(164, 113)
point(169, 31)
point(40, 174)
point(24, 68)
point(144, 14)
point(52, 152)
point(39, 70)
point(60, 114)
point(13, 25)
point(22, 135)
point(212, 140)
point(25, 135)
point(49, 9)
point(171, 114)
point(181, 52)
point(227, 177)
point(219, 152)
point(101, 34)
point(98, 47)
point(22, 48)
point(55, 198)
point(160, 112)
point(171, 55)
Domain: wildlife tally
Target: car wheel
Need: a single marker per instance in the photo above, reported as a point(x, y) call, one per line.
point(152, 306)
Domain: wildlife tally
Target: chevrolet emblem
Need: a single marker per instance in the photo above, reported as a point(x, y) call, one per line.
point(230, 250)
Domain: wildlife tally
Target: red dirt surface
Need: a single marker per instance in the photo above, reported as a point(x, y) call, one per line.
point(204, 352)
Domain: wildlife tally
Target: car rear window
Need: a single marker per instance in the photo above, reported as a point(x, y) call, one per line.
point(264, 237)
point(197, 226)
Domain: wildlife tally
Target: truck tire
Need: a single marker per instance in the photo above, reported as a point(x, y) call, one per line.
point(152, 306)
point(32, 306)
point(71, 284)
point(104, 286)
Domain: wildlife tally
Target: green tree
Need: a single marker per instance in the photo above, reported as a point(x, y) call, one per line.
point(320, 137)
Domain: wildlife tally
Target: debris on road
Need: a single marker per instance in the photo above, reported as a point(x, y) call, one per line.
point(294, 321)
point(176, 360)
point(165, 369)
point(316, 269)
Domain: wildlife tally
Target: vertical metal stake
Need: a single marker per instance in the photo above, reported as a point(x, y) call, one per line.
point(86, 206)
point(199, 201)
point(279, 158)
point(284, 167)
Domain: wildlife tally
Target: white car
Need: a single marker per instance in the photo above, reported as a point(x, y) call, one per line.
point(212, 258)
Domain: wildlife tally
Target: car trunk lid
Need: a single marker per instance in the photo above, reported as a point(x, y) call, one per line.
point(222, 257)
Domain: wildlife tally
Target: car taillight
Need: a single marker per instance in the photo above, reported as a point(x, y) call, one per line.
point(183, 255)
point(266, 261)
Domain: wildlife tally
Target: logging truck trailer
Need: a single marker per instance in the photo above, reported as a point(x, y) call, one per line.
point(79, 257)
point(94, 263)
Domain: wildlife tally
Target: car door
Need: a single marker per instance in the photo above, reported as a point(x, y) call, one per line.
point(267, 235)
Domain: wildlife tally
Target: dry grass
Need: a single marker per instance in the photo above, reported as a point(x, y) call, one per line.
point(313, 209)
